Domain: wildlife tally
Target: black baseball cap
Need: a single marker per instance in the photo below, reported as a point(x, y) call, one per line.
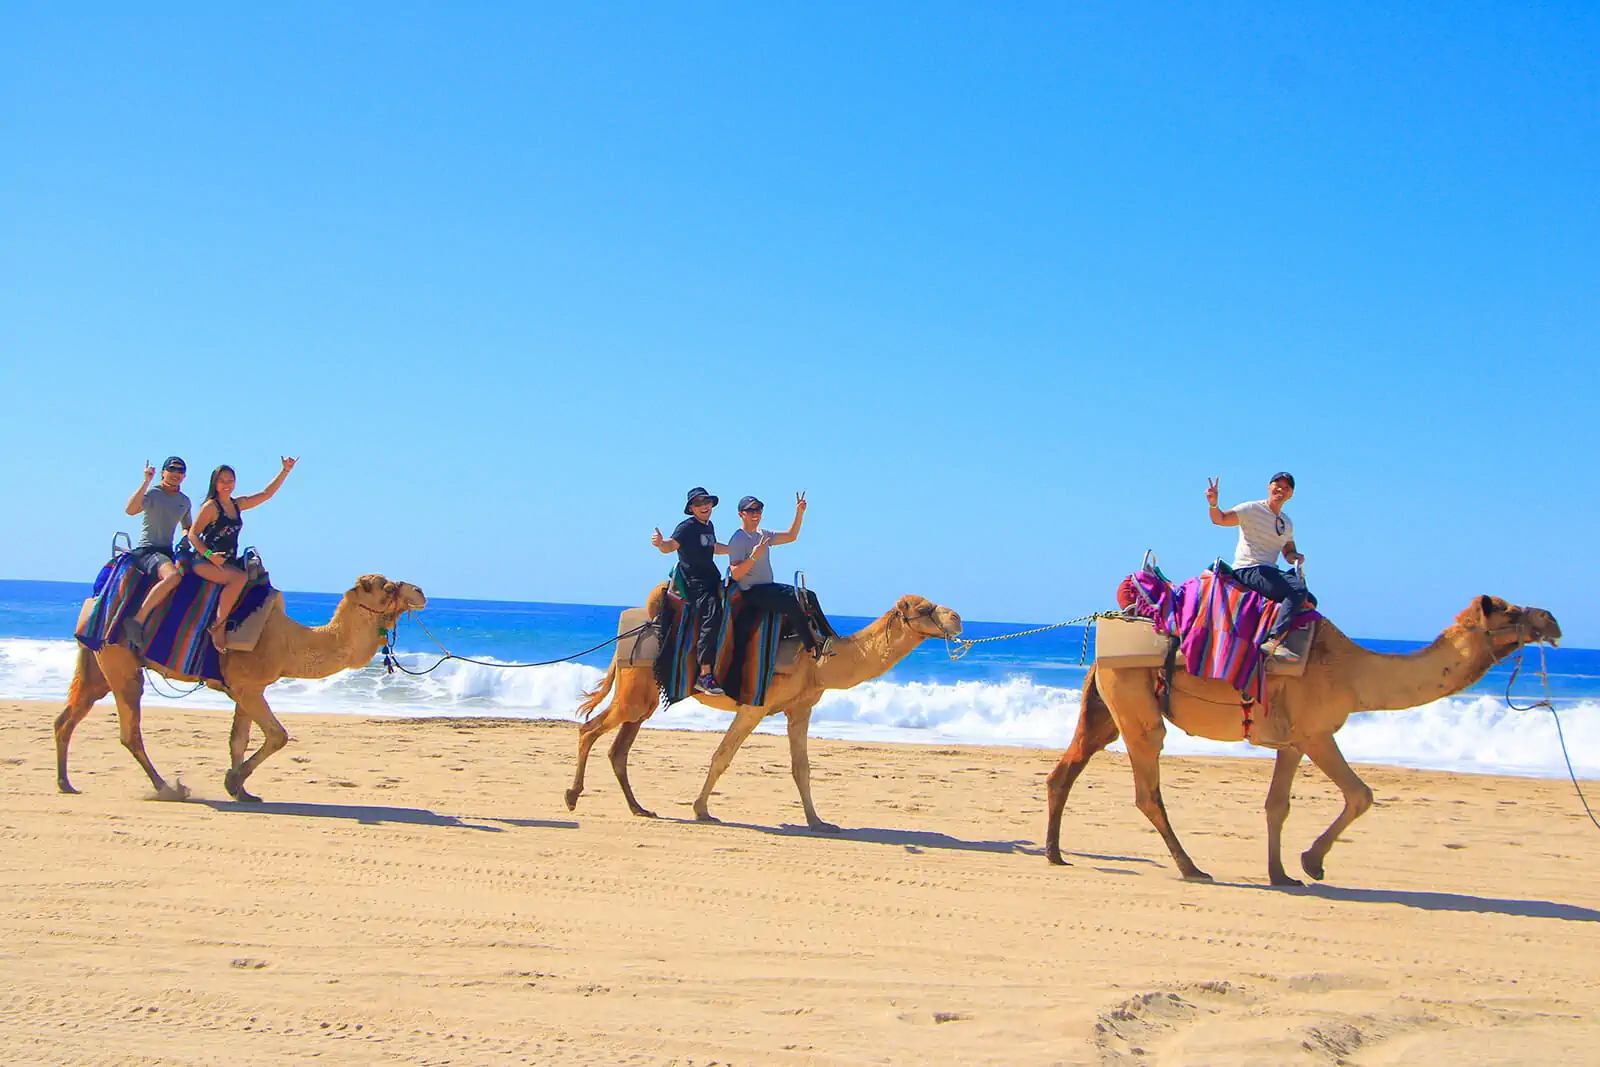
point(695, 494)
point(750, 503)
point(1282, 476)
point(173, 463)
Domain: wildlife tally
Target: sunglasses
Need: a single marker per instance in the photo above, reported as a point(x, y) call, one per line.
point(751, 511)
point(700, 502)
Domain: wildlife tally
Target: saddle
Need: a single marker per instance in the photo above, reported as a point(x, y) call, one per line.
point(642, 649)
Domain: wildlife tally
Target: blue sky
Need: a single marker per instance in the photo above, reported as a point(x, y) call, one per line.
point(999, 289)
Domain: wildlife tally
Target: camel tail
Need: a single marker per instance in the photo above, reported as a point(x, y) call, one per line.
point(1095, 725)
point(87, 679)
point(592, 699)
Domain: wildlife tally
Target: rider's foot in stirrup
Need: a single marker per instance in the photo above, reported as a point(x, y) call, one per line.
point(708, 685)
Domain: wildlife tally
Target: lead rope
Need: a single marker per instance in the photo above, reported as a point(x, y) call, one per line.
point(392, 663)
point(1545, 702)
point(957, 647)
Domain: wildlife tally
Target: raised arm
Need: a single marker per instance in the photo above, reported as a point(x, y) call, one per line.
point(741, 569)
point(665, 544)
point(136, 501)
point(1218, 516)
point(253, 499)
point(792, 534)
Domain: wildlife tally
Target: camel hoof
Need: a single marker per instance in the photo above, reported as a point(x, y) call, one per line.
point(235, 787)
point(1283, 881)
point(1312, 865)
point(572, 798)
point(1197, 875)
point(65, 786)
point(823, 827)
point(1055, 859)
point(172, 792)
point(646, 813)
point(705, 816)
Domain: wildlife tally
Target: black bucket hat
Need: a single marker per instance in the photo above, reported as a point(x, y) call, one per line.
point(696, 493)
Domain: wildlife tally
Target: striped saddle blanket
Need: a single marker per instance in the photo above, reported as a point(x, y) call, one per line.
point(179, 646)
point(747, 650)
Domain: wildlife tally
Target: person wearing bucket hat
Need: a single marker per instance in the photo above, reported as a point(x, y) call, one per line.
point(695, 541)
point(164, 509)
point(1265, 530)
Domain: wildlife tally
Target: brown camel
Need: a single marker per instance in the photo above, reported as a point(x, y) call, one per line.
point(1340, 678)
point(862, 656)
point(286, 649)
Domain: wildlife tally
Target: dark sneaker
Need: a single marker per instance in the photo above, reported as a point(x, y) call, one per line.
point(133, 633)
point(708, 685)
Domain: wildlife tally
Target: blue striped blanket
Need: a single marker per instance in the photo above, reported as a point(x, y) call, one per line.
point(747, 650)
point(179, 645)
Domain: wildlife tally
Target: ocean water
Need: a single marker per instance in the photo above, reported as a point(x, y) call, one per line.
point(1021, 692)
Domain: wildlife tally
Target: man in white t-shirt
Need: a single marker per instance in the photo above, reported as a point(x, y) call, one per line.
point(1265, 531)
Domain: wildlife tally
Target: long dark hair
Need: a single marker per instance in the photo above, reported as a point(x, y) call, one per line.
point(211, 490)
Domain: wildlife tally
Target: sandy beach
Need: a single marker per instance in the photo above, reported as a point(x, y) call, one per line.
point(416, 892)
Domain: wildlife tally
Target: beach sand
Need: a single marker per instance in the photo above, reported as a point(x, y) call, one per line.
point(416, 892)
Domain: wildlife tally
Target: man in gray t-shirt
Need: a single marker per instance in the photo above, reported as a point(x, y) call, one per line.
point(751, 566)
point(163, 510)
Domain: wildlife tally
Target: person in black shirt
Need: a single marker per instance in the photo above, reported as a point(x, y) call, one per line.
point(695, 542)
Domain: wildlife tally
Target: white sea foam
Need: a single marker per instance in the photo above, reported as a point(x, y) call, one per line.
point(1469, 733)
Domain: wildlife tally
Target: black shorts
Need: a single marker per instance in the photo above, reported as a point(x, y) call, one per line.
point(149, 559)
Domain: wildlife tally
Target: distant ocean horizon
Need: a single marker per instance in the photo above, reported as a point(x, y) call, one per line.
point(1022, 692)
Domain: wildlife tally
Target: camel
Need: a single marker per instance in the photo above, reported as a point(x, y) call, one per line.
point(858, 658)
point(286, 649)
point(1340, 678)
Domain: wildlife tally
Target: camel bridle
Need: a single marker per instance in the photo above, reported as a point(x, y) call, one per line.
point(930, 612)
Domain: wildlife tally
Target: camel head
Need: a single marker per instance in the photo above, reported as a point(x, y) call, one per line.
point(922, 616)
point(383, 598)
point(1508, 626)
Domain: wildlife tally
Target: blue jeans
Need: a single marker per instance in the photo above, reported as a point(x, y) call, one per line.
point(1281, 586)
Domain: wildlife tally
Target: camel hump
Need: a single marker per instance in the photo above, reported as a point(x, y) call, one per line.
point(654, 602)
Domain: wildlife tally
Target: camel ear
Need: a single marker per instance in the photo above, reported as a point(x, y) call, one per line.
point(1487, 603)
point(366, 584)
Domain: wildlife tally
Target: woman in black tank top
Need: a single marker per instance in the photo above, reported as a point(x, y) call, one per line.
point(215, 539)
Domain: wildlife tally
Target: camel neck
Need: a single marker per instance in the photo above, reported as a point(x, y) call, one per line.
point(350, 639)
point(1458, 658)
point(868, 653)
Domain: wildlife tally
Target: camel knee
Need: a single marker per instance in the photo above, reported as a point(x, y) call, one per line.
point(1359, 801)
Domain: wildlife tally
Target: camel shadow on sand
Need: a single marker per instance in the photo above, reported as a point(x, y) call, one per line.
point(1436, 901)
point(912, 841)
point(377, 814)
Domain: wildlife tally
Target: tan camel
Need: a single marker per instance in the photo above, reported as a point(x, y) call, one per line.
point(286, 649)
point(862, 656)
point(1340, 678)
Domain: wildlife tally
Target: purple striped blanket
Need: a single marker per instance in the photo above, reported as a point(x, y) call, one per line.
point(179, 645)
point(1219, 623)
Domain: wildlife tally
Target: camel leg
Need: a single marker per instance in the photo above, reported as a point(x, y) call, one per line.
point(127, 693)
point(1324, 752)
point(253, 708)
point(88, 686)
point(1096, 730)
point(619, 765)
point(1146, 760)
point(238, 739)
point(745, 720)
point(800, 766)
point(1283, 772)
point(588, 734)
